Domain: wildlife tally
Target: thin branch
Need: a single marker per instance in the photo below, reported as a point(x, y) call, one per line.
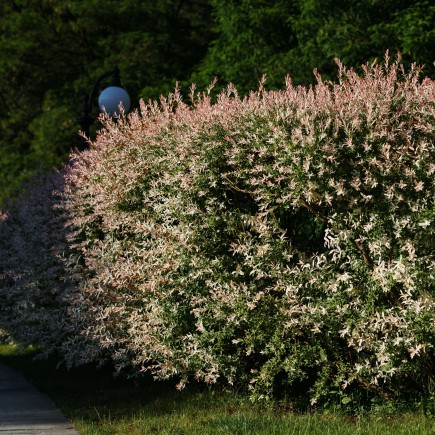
point(363, 250)
point(313, 209)
point(238, 189)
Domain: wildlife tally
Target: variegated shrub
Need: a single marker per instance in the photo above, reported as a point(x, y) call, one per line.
point(283, 242)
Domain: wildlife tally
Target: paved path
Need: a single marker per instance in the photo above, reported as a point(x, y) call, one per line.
point(24, 410)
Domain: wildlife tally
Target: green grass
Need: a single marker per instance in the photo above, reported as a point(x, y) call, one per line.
point(97, 403)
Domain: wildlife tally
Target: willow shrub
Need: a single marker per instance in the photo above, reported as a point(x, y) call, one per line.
point(283, 242)
point(33, 285)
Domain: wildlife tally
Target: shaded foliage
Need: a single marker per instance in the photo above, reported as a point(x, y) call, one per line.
point(295, 37)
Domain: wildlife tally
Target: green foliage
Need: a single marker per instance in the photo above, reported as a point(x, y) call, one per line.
point(294, 37)
point(409, 30)
point(253, 39)
point(52, 52)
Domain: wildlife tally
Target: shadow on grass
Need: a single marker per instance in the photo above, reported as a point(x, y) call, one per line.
point(94, 394)
point(99, 403)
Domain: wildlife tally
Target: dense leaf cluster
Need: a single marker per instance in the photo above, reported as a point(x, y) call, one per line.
point(281, 242)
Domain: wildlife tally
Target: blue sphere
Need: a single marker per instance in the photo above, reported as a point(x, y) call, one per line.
point(110, 99)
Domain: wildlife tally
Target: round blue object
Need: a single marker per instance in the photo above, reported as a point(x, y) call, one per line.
point(110, 99)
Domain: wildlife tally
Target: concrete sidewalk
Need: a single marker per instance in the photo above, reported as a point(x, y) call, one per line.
point(25, 410)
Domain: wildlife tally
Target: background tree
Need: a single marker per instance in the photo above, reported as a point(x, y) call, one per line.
point(254, 38)
point(359, 31)
point(52, 51)
point(295, 37)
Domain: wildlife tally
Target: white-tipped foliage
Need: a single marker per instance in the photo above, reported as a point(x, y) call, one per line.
point(284, 241)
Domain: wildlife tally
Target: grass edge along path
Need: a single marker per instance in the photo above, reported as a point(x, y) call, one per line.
point(97, 403)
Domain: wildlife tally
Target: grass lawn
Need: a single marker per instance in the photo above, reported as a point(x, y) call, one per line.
point(99, 404)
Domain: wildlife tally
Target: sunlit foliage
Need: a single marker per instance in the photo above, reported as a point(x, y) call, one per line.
point(282, 242)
